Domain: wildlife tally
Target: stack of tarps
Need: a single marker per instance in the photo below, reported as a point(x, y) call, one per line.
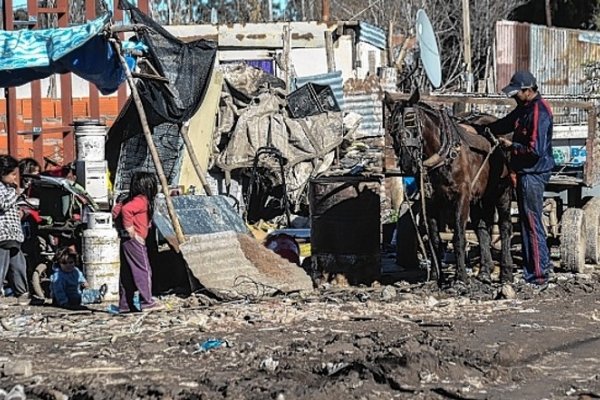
point(253, 115)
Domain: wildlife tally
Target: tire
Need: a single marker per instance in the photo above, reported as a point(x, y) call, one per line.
point(592, 231)
point(572, 241)
point(40, 281)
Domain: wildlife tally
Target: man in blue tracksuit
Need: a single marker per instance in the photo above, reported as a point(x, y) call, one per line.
point(532, 161)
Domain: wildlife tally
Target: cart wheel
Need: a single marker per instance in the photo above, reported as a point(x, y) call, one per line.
point(592, 231)
point(40, 281)
point(572, 241)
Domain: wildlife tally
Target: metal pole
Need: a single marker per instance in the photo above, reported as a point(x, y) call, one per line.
point(467, 42)
point(159, 169)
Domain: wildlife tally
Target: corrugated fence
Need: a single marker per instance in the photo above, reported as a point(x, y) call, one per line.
point(564, 61)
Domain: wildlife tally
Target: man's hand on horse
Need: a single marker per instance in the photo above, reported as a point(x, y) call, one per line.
point(504, 142)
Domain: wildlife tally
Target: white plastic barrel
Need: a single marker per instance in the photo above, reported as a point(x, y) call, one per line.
point(99, 220)
point(91, 139)
point(101, 260)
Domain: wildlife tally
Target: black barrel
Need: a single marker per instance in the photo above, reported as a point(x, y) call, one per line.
point(345, 227)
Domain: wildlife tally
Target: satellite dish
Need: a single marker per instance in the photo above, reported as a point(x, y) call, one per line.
point(429, 53)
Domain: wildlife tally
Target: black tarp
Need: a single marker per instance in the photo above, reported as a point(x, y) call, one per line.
point(188, 66)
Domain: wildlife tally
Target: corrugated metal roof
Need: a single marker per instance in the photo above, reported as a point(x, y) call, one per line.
point(369, 107)
point(371, 34)
point(364, 97)
point(333, 79)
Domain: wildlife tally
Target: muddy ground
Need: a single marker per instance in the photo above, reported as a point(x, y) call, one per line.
point(400, 341)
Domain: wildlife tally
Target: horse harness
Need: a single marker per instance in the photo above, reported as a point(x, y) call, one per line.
point(411, 131)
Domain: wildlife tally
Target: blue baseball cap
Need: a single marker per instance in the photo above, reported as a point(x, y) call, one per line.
point(520, 80)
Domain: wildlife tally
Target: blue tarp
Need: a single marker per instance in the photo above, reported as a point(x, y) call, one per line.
point(27, 55)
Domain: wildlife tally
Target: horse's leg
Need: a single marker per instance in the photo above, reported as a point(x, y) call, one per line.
point(460, 225)
point(483, 218)
point(436, 242)
point(505, 225)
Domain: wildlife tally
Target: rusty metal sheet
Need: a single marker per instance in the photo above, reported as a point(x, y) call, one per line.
point(229, 263)
point(512, 50)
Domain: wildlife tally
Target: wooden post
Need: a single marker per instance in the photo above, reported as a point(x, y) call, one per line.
point(325, 10)
point(467, 42)
point(188, 145)
point(144, 121)
point(548, 13)
point(287, 44)
point(329, 51)
point(390, 44)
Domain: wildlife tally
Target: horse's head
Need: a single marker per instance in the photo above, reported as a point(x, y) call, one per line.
point(406, 133)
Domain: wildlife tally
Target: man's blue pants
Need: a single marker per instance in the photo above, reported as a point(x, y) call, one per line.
point(530, 197)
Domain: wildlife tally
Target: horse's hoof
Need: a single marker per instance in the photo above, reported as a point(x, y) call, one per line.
point(462, 278)
point(506, 278)
point(484, 277)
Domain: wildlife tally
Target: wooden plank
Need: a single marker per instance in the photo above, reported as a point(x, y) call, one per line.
point(393, 97)
point(94, 100)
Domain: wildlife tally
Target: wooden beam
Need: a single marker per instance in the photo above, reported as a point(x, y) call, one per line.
point(467, 43)
point(393, 97)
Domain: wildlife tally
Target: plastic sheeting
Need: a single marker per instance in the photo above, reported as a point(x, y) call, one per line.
point(187, 66)
point(26, 55)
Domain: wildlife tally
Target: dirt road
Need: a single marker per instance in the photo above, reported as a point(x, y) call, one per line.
point(403, 341)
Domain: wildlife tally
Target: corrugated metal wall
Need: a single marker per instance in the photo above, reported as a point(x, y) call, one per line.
point(512, 50)
point(372, 34)
point(557, 57)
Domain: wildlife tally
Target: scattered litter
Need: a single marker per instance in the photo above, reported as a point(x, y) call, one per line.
point(209, 345)
point(269, 365)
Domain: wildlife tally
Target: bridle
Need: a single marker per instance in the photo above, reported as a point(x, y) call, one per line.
point(411, 139)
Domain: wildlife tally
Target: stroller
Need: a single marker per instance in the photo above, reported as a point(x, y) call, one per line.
point(54, 215)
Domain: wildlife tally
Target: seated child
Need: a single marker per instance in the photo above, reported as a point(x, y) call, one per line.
point(69, 287)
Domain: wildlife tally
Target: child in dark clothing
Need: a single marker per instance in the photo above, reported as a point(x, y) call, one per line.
point(69, 287)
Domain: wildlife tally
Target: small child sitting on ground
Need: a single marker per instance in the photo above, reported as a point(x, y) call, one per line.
point(69, 287)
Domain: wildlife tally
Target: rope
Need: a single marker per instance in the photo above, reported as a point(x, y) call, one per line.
point(489, 136)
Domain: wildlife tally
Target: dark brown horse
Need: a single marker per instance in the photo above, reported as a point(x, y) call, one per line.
point(461, 180)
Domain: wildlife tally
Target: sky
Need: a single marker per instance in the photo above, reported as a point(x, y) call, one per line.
point(23, 3)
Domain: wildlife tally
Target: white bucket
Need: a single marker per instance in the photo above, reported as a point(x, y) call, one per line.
point(99, 220)
point(91, 140)
point(101, 260)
